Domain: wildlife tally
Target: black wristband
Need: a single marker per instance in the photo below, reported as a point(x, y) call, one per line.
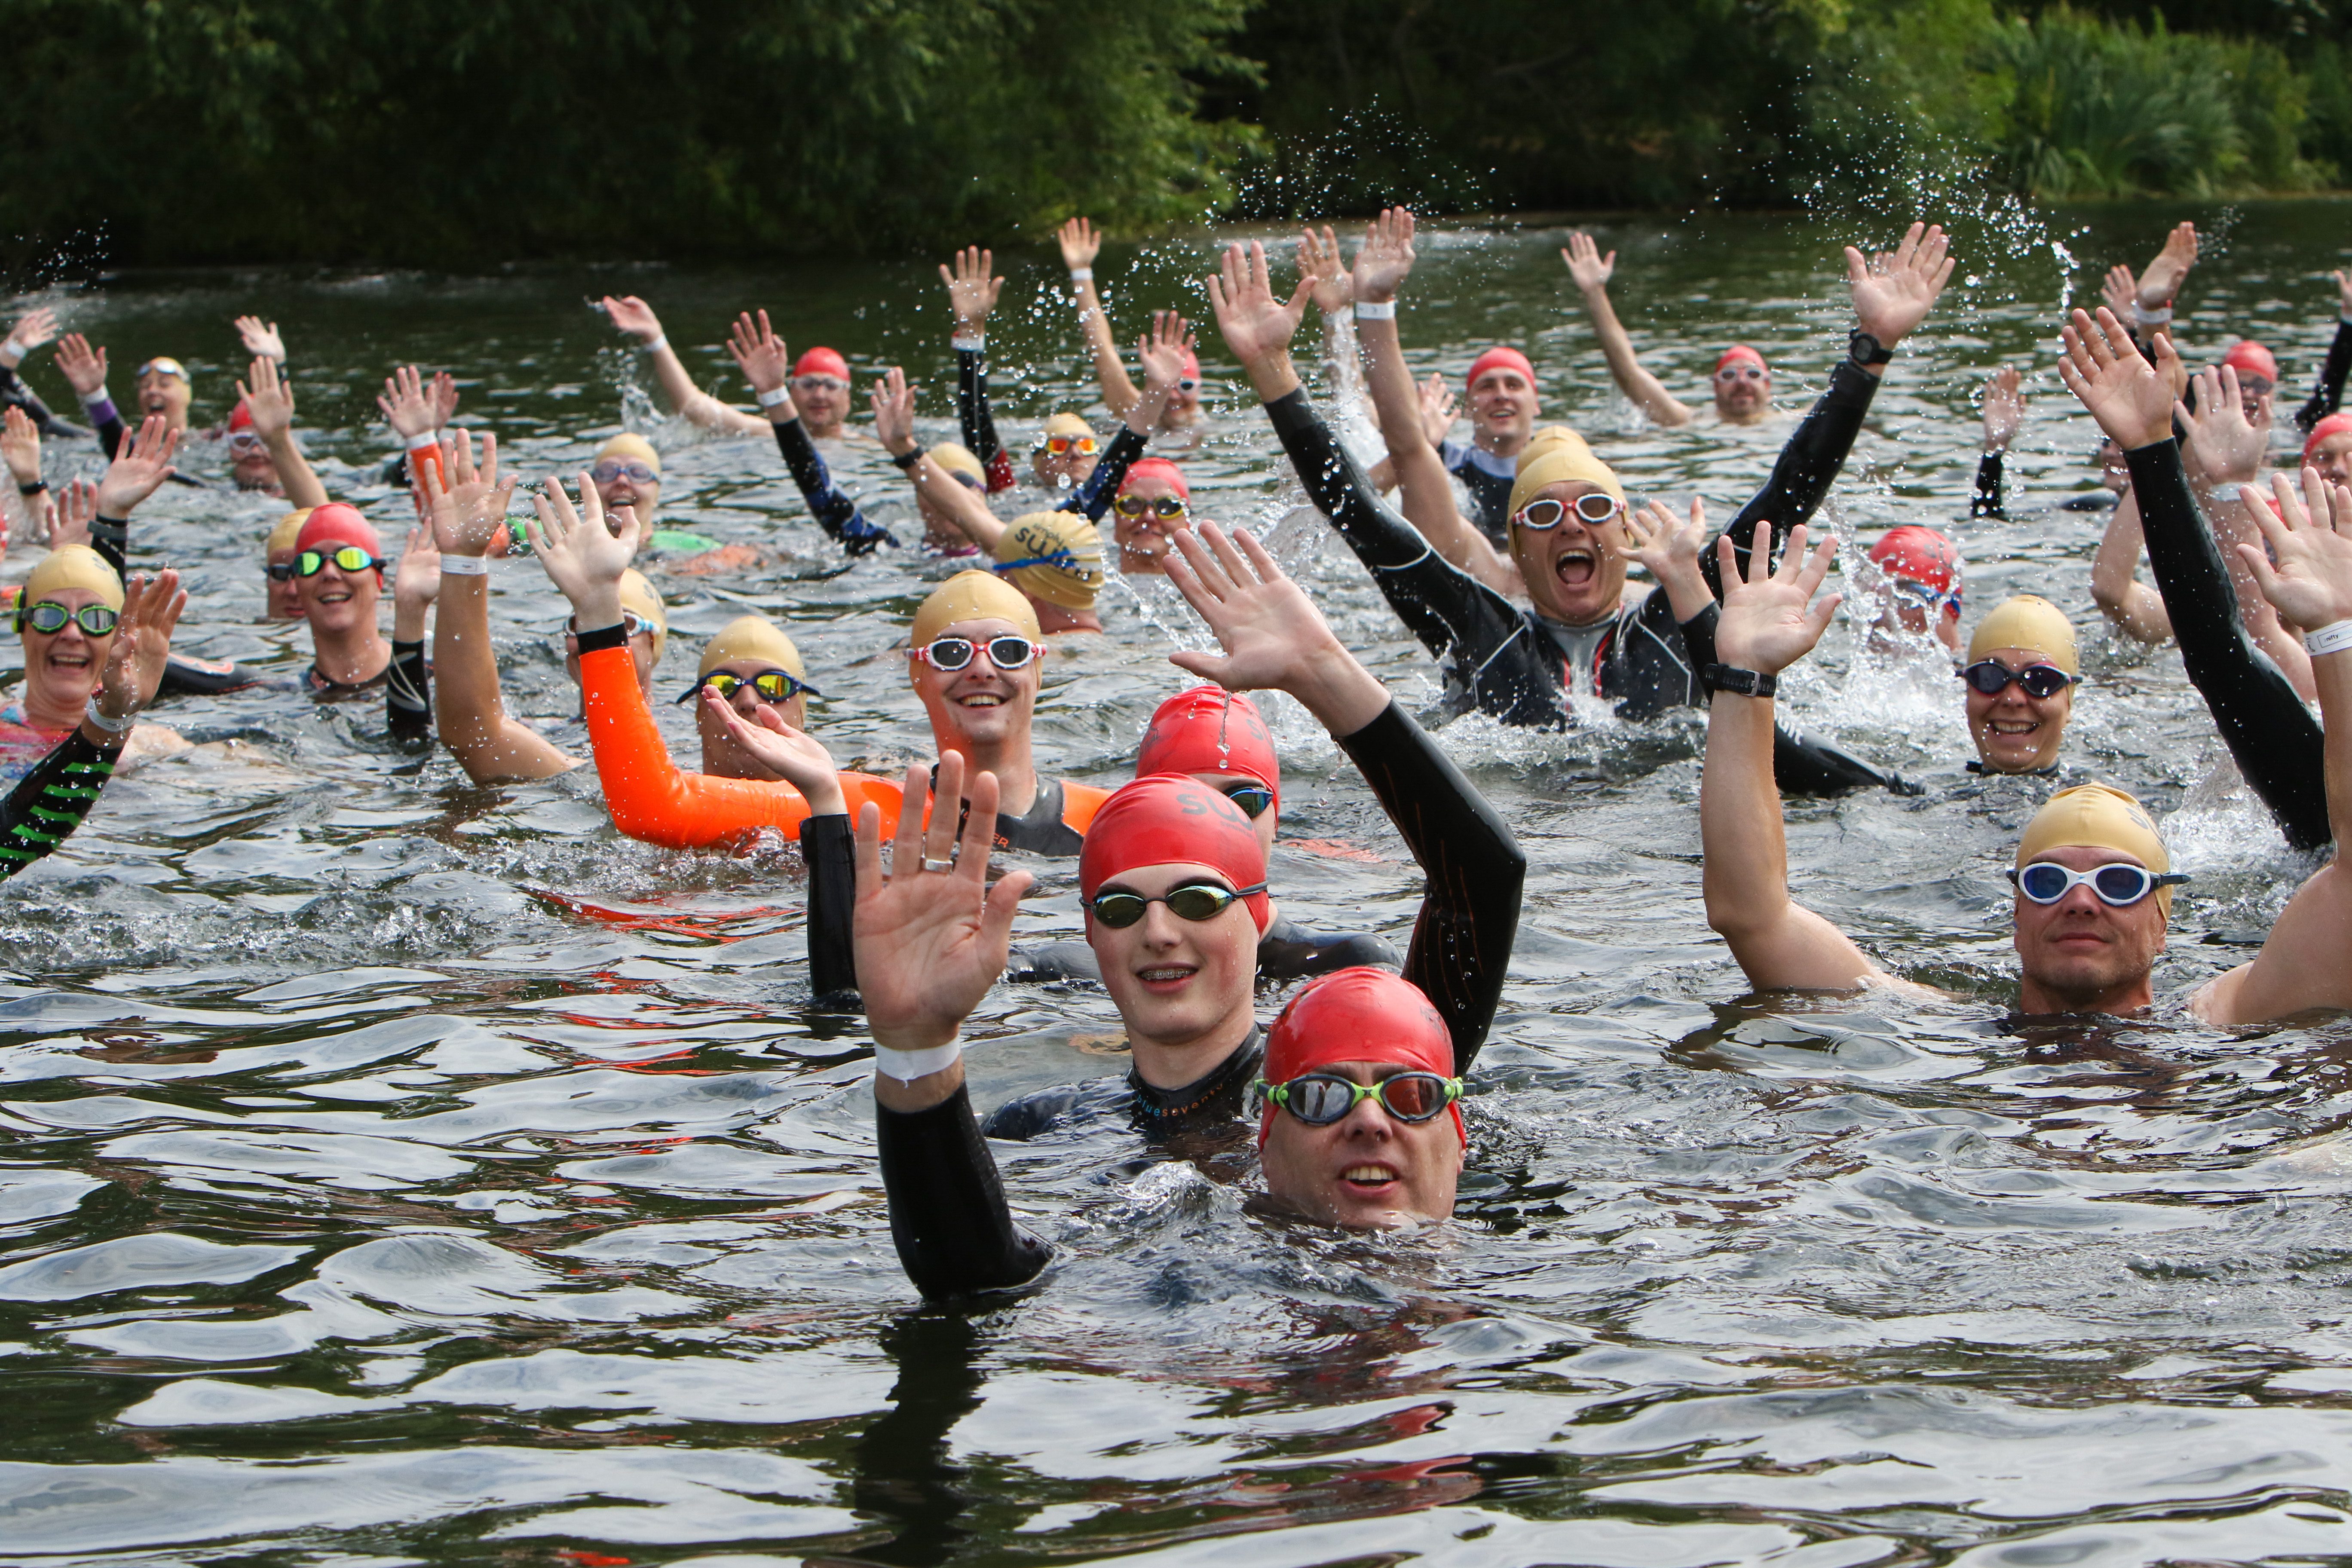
point(1867, 349)
point(614, 636)
point(1738, 682)
point(907, 463)
point(114, 529)
point(35, 487)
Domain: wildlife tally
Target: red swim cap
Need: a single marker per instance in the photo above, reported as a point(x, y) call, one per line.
point(1921, 555)
point(822, 362)
point(1741, 350)
point(1358, 1015)
point(1210, 729)
point(1191, 366)
point(1154, 468)
point(241, 418)
point(1167, 819)
point(2248, 357)
point(1499, 358)
point(2333, 424)
point(336, 524)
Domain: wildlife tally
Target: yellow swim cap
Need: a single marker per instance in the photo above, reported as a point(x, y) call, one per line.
point(627, 445)
point(2031, 622)
point(1055, 556)
point(73, 566)
point(753, 639)
point(1067, 425)
point(971, 596)
point(638, 595)
point(288, 529)
point(957, 458)
point(2099, 817)
point(1557, 454)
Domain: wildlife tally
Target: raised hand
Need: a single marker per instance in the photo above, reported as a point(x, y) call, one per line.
point(1318, 257)
point(584, 556)
point(792, 755)
point(2120, 289)
point(444, 398)
point(2131, 399)
point(143, 463)
point(417, 581)
point(1587, 267)
point(143, 644)
point(33, 328)
point(1437, 407)
point(2311, 535)
point(67, 517)
point(269, 399)
point(20, 446)
point(1769, 618)
point(407, 407)
point(2225, 445)
point(633, 316)
point(84, 367)
point(2004, 409)
point(1894, 291)
point(971, 293)
point(758, 353)
point(1272, 634)
point(469, 515)
point(260, 337)
point(932, 942)
point(2162, 281)
point(1080, 243)
point(1664, 543)
point(1387, 256)
point(1163, 350)
point(893, 403)
point(1258, 326)
point(2343, 293)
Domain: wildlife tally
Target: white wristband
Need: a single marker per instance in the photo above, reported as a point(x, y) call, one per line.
point(1376, 311)
point(465, 565)
point(12, 353)
point(111, 726)
point(2147, 318)
point(975, 341)
point(98, 399)
point(428, 442)
point(658, 344)
point(909, 1066)
point(2332, 638)
point(774, 395)
point(1082, 274)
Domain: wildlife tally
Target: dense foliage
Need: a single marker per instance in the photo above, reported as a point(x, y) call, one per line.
point(466, 131)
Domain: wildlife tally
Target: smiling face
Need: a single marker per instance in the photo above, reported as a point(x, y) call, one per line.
point(2016, 734)
point(335, 601)
point(62, 668)
point(250, 462)
point(822, 402)
point(1066, 472)
point(721, 755)
point(1743, 391)
point(2333, 458)
point(1503, 408)
point(160, 392)
point(1573, 572)
point(2083, 953)
point(1145, 542)
point(980, 705)
point(1185, 988)
point(1368, 1171)
point(618, 488)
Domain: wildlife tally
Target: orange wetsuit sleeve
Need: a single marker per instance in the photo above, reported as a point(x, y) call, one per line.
point(652, 798)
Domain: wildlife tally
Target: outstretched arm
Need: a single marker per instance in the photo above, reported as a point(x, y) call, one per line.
point(2224, 451)
point(971, 297)
point(270, 400)
point(635, 317)
point(2004, 411)
point(1080, 246)
point(139, 469)
point(894, 425)
point(2327, 396)
point(1591, 269)
point(2137, 609)
point(767, 364)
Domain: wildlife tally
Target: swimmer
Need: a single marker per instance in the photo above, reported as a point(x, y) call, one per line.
point(1173, 881)
point(2327, 394)
point(2004, 413)
point(2146, 302)
point(635, 317)
point(2093, 882)
point(282, 600)
point(417, 410)
point(1504, 402)
point(1742, 383)
point(1180, 414)
point(339, 579)
point(2255, 705)
point(1154, 502)
point(1921, 591)
point(1055, 558)
point(1066, 455)
point(262, 452)
point(766, 363)
point(1571, 544)
point(65, 619)
point(2257, 378)
point(971, 296)
point(2328, 448)
point(32, 329)
point(2020, 675)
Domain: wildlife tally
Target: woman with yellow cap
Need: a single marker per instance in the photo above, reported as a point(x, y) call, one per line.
point(2020, 673)
point(66, 618)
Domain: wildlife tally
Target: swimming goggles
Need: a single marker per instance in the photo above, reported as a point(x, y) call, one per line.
point(1250, 795)
point(1990, 678)
point(49, 617)
point(245, 441)
point(821, 383)
point(1741, 370)
point(1320, 1099)
point(346, 557)
point(773, 687)
point(161, 364)
point(1593, 507)
point(612, 470)
point(1063, 445)
point(1188, 383)
point(1926, 598)
point(1141, 506)
point(2121, 884)
point(280, 571)
point(1191, 901)
point(1005, 652)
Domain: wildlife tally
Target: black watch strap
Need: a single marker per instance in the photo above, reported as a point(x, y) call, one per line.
point(35, 487)
point(1738, 682)
point(908, 462)
point(1867, 349)
point(614, 636)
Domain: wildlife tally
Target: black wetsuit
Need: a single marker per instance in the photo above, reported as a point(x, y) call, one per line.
point(49, 802)
point(1991, 499)
point(827, 502)
point(1286, 952)
point(948, 1215)
point(1093, 497)
point(1516, 665)
point(2328, 394)
point(14, 393)
point(1489, 479)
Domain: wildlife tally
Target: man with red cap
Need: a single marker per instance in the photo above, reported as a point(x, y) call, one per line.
point(1920, 590)
point(1742, 383)
point(2258, 373)
point(1504, 404)
point(1181, 413)
point(1172, 878)
point(2328, 448)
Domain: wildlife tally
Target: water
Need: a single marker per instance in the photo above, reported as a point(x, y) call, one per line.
point(400, 1171)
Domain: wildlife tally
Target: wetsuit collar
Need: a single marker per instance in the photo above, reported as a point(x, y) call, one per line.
point(1976, 765)
point(1221, 1088)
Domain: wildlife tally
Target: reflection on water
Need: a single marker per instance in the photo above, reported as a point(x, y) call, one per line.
point(405, 1170)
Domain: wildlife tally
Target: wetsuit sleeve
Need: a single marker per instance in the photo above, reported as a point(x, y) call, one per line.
point(408, 693)
point(1470, 915)
point(2272, 736)
point(14, 389)
point(954, 1232)
point(1094, 497)
point(829, 850)
point(1050, 961)
point(833, 511)
point(1453, 614)
point(107, 420)
point(50, 803)
point(2328, 396)
point(1988, 500)
point(979, 420)
point(1288, 952)
point(1809, 465)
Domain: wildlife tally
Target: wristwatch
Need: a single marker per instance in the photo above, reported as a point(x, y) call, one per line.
point(1867, 349)
point(1738, 682)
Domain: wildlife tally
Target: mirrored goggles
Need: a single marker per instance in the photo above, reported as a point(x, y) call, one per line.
point(49, 617)
point(346, 557)
point(1005, 652)
point(1141, 506)
point(245, 441)
point(2121, 884)
point(1188, 383)
point(1191, 901)
point(1063, 445)
point(773, 687)
point(1320, 1099)
point(1253, 797)
point(1990, 678)
point(612, 471)
point(1593, 508)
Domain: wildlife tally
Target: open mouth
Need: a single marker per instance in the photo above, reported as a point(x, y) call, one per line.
point(1368, 1178)
point(980, 699)
point(1575, 568)
point(73, 661)
point(1166, 979)
point(2012, 728)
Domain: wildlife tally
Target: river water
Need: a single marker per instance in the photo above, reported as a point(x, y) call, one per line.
point(401, 1171)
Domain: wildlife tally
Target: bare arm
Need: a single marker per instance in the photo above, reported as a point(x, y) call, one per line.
point(1080, 246)
point(1590, 270)
point(894, 423)
point(636, 318)
point(270, 400)
point(2136, 608)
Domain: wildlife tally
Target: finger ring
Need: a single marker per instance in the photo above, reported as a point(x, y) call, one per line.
point(943, 863)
